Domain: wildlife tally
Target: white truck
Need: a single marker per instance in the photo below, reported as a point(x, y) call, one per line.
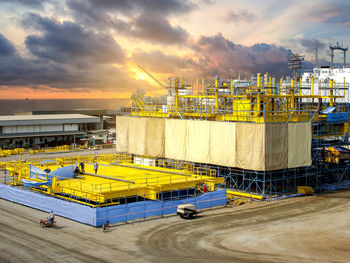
point(187, 211)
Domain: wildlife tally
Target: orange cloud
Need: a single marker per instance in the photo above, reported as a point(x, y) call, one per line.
point(47, 92)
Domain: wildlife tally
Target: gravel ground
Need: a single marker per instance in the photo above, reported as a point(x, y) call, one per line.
point(306, 229)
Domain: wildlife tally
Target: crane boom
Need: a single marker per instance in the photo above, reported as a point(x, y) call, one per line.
point(154, 78)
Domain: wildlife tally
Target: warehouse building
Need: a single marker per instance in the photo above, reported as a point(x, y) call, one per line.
point(45, 130)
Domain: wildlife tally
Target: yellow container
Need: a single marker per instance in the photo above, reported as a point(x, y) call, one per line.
point(305, 190)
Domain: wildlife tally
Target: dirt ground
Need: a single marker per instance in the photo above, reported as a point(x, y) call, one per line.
point(305, 229)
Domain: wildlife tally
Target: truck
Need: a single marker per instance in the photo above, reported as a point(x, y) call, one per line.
point(187, 211)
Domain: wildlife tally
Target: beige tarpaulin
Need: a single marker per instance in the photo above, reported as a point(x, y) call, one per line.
point(276, 146)
point(155, 131)
point(198, 134)
point(137, 135)
point(175, 139)
point(122, 124)
point(299, 144)
point(222, 143)
point(250, 146)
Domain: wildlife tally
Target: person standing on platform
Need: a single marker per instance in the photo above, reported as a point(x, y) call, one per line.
point(95, 167)
point(82, 167)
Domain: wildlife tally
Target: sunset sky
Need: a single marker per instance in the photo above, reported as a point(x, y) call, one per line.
point(91, 48)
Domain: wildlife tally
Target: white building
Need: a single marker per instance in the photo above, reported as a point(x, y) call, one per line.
point(41, 130)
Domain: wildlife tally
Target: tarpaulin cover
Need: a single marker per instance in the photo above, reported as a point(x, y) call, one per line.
point(299, 144)
point(222, 143)
point(328, 110)
point(175, 139)
point(137, 135)
point(198, 135)
point(61, 173)
point(138, 210)
point(37, 173)
point(276, 146)
point(65, 172)
point(78, 212)
point(155, 133)
point(117, 213)
point(250, 146)
point(30, 183)
point(337, 117)
point(122, 124)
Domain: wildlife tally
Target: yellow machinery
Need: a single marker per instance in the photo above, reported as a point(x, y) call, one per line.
point(335, 155)
point(258, 100)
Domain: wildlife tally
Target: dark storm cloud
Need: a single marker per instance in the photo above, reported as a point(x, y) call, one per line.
point(129, 7)
point(220, 56)
point(146, 19)
point(240, 16)
point(336, 12)
point(6, 47)
point(217, 55)
point(16, 70)
point(158, 30)
point(27, 3)
point(312, 44)
point(68, 42)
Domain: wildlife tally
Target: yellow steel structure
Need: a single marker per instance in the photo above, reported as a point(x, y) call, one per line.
point(117, 178)
point(257, 100)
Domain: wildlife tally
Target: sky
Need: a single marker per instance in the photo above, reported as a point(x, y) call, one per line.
point(93, 48)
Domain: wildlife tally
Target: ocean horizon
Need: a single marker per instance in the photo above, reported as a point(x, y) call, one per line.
point(10, 107)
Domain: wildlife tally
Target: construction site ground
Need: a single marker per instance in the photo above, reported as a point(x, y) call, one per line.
point(305, 229)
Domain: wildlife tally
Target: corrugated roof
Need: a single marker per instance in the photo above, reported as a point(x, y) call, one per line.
point(47, 119)
point(44, 117)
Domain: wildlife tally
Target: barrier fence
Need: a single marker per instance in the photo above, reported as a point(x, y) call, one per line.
point(115, 214)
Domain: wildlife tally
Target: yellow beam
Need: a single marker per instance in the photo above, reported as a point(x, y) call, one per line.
point(235, 193)
point(331, 103)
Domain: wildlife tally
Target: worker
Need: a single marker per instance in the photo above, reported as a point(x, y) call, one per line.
point(50, 218)
point(205, 188)
point(82, 167)
point(95, 167)
point(76, 171)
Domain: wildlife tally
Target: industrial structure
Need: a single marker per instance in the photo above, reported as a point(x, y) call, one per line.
point(257, 138)
point(263, 136)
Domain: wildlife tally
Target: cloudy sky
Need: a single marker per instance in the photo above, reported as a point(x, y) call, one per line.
point(91, 48)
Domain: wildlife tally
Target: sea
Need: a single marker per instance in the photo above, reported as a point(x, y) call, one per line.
point(10, 107)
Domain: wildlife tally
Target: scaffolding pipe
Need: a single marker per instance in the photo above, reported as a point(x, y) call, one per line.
point(331, 103)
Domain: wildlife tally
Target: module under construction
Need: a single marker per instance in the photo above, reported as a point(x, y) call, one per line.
point(262, 135)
